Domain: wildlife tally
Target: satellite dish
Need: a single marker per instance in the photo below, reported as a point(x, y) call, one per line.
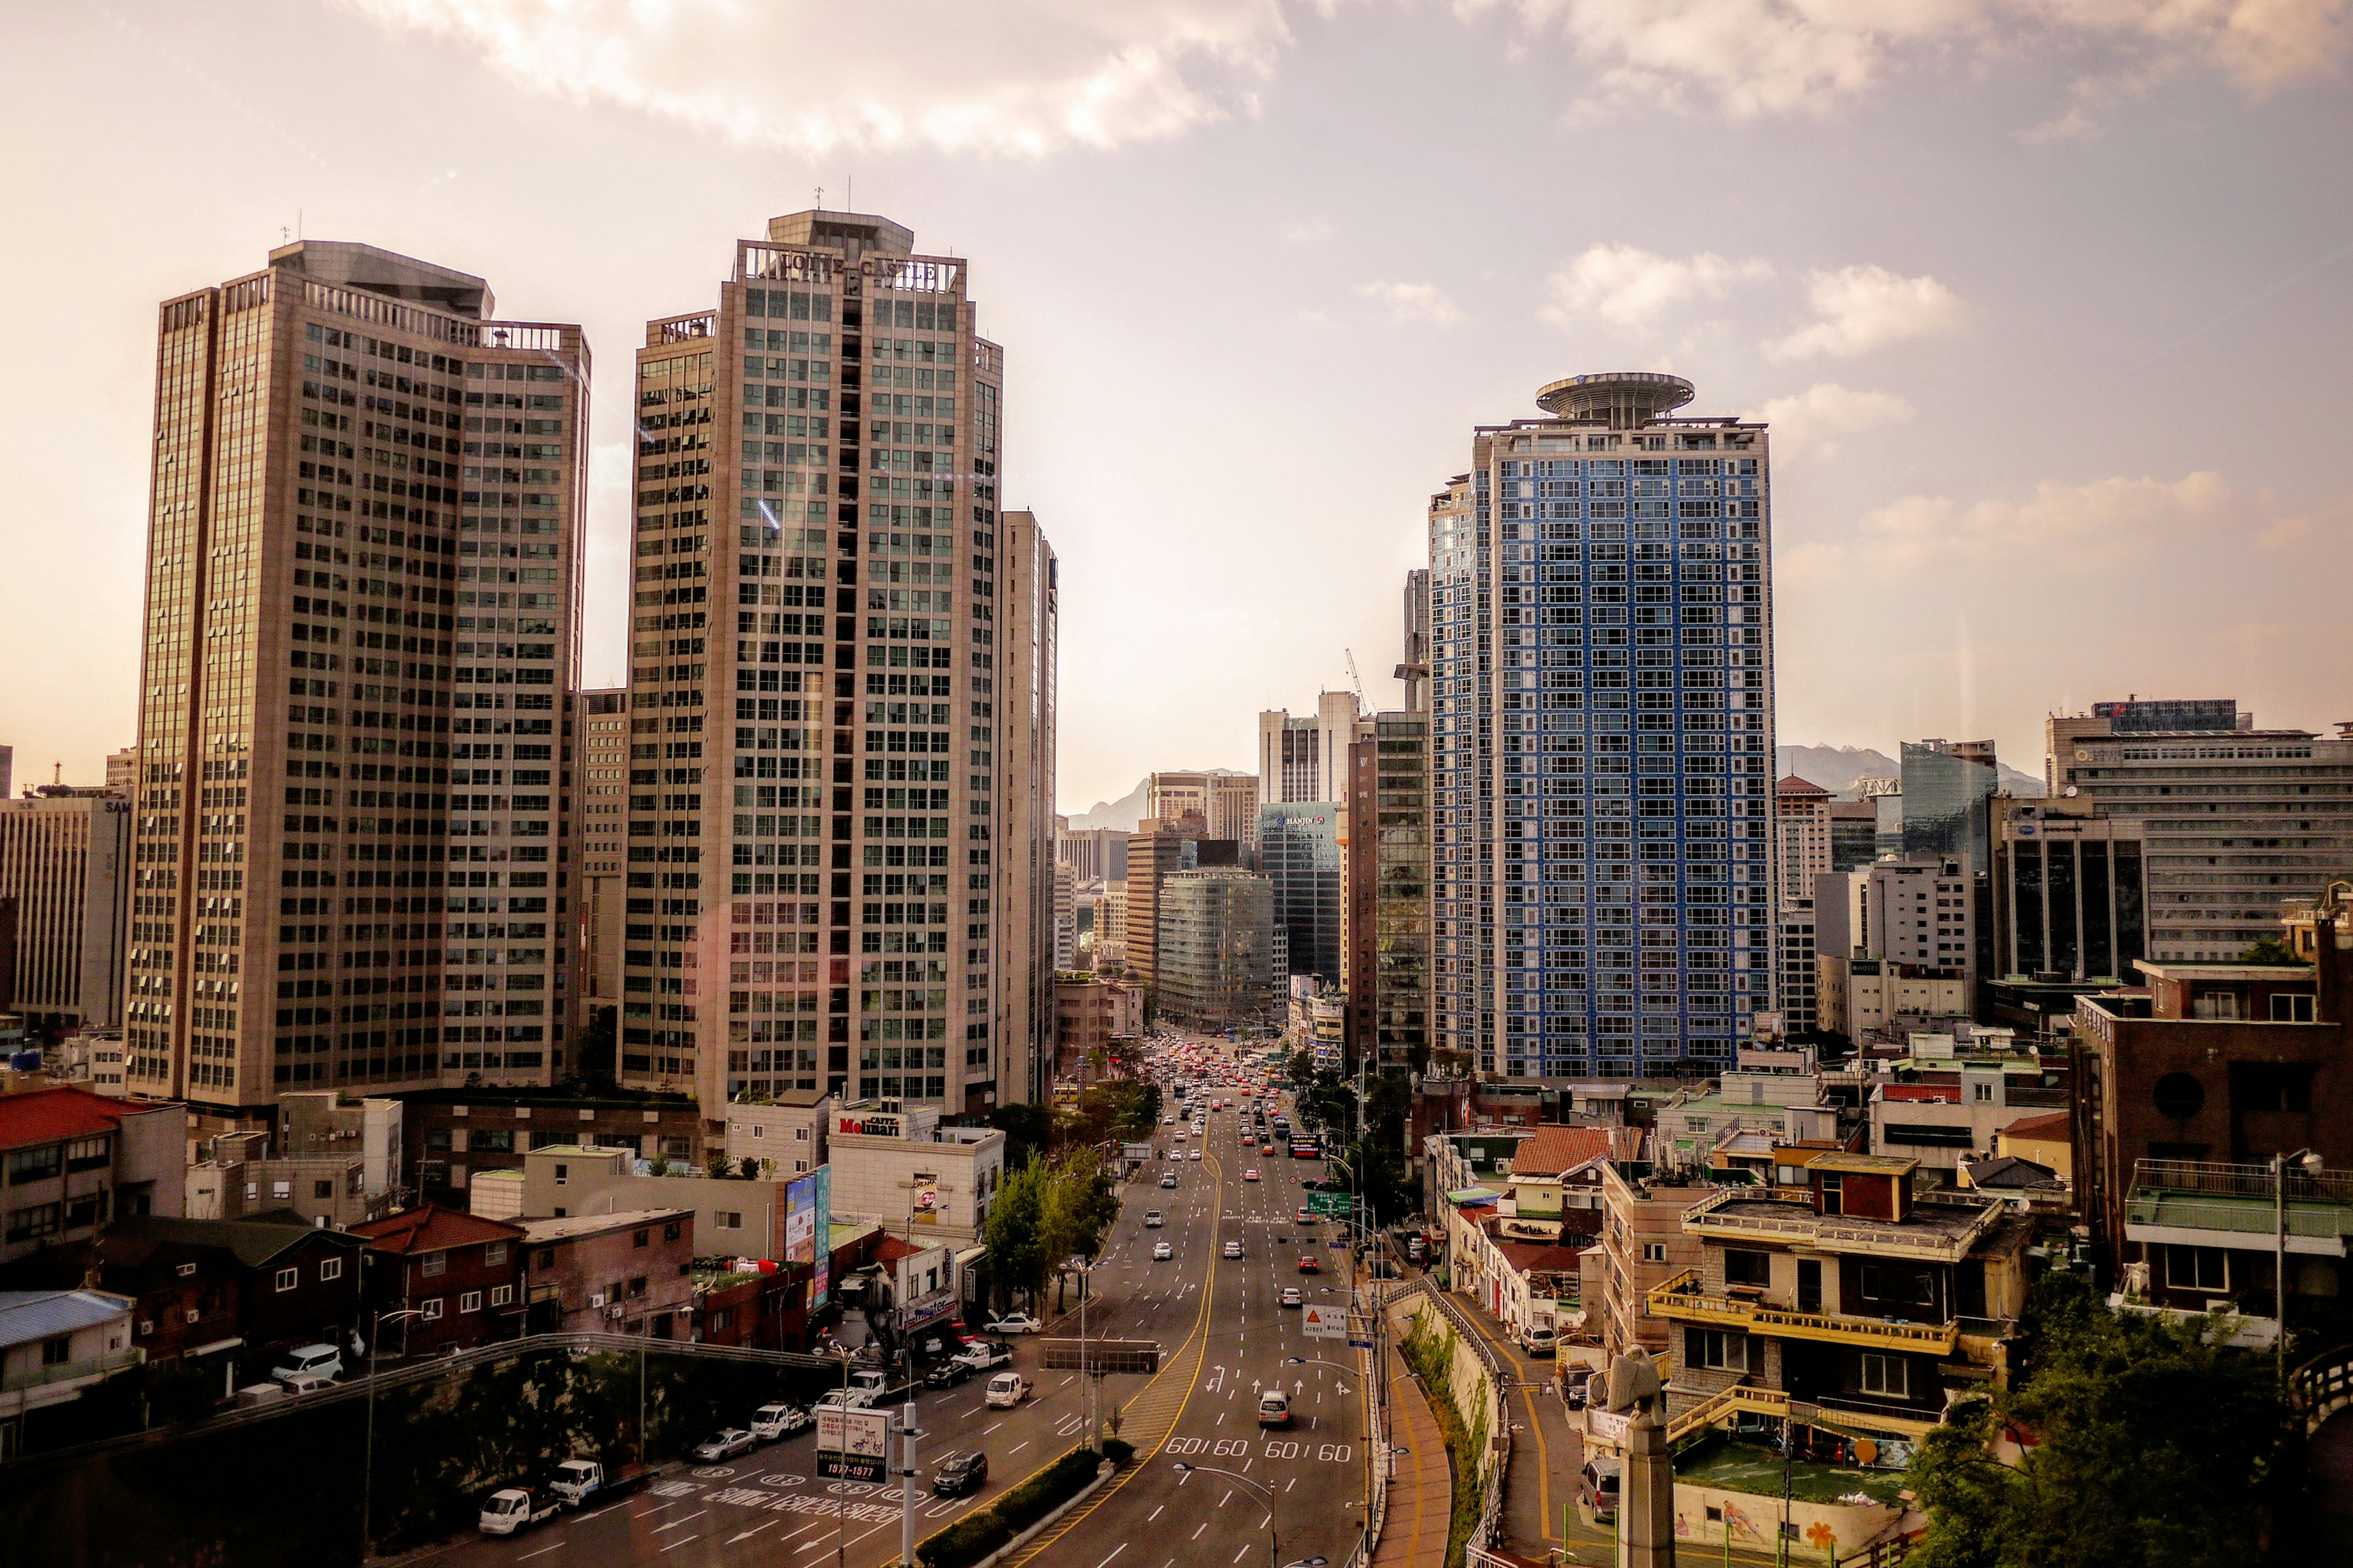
point(2071, 791)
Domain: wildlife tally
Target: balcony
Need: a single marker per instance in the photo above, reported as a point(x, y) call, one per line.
point(1941, 1227)
point(2188, 1202)
point(1681, 1301)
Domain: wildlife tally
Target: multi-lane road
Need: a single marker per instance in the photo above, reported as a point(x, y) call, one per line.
point(1223, 1338)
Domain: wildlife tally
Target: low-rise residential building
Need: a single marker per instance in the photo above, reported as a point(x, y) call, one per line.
point(448, 1134)
point(238, 1177)
point(202, 1287)
point(1558, 1169)
point(916, 1178)
point(1855, 1292)
point(1643, 1245)
point(53, 1345)
point(786, 1135)
point(457, 1273)
point(626, 1273)
point(2045, 1138)
point(1856, 994)
point(735, 1217)
point(76, 1160)
point(1940, 1113)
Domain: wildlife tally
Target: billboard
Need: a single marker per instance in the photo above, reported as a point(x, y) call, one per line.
point(821, 1234)
point(800, 1220)
point(853, 1444)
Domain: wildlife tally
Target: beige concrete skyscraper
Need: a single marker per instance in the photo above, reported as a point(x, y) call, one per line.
point(827, 669)
point(600, 816)
point(349, 858)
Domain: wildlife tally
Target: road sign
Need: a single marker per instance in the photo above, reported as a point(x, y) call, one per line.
point(1325, 1323)
point(853, 1444)
point(1332, 1205)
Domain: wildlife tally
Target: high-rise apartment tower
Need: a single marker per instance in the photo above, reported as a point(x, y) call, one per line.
point(350, 859)
point(832, 686)
point(1602, 736)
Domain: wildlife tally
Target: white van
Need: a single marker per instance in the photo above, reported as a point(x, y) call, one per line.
point(1539, 1338)
point(1274, 1408)
point(310, 1361)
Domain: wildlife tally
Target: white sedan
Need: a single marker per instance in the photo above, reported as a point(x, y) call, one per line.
point(1013, 1323)
point(1195, 1154)
point(1163, 1252)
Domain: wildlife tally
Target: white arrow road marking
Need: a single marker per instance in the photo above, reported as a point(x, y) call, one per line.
point(674, 1523)
point(749, 1533)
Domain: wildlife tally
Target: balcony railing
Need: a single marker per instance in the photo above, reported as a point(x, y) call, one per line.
point(1681, 1298)
point(1832, 1232)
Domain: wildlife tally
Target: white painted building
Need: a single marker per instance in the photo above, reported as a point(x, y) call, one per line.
point(903, 1170)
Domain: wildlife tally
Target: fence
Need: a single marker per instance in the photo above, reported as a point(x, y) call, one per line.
point(2322, 1386)
point(1499, 1418)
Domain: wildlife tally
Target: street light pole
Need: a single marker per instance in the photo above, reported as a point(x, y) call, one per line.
point(367, 1462)
point(1273, 1536)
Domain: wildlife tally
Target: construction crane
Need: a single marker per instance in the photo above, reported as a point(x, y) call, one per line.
point(1357, 680)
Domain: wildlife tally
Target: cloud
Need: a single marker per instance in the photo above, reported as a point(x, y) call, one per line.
point(1857, 309)
point(1812, 421)
point(1313, 230)
point(1630, 289)
point(1745, 58)
point(1412, 302)
point(2108, 523)
point(1020, 80)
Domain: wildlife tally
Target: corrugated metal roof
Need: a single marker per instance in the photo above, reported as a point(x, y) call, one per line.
point(29, 1315)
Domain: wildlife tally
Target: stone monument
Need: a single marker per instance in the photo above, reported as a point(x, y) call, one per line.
point(1646, 1488)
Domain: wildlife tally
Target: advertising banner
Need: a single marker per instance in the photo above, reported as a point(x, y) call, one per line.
point(800, 1220)
point(853, 1444)
point(821, 1234)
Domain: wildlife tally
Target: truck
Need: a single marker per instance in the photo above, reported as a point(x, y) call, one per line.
point(512, 1507)
point(986, 1357)
point(1006, 1390)
point(575, 1481)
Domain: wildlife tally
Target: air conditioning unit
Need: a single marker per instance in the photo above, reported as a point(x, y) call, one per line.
point(613, 1311)
point(193, 1315)
point(146, 1327)
point(597, 1300)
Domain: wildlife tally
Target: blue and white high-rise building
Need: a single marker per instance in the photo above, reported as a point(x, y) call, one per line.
point(1601, 645)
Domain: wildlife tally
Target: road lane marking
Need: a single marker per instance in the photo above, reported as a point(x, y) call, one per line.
point(1156, 1513)
point(674, 1523)
point(1199, 1528)
point(1238, 1556)
point(1019, 1447)
point(541, 1552)
point(681, 1541)
point(750, 1532)
point(1114, 1551)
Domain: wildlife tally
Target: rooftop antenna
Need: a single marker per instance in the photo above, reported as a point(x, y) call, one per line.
point(820, 198)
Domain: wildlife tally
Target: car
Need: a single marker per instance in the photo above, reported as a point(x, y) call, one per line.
point(1233, 1249)
point(312, 1361)
point(1195, 1154)
point(1251, 1174)
point(960, 1473)
point(1169, 1119)
point(1163, 1252)
point(1291, 1296)
point(771, 1422)
point(1266, 1148)
point(1308, 1264)
point(948, 1373)
point(1153, 1220)
point(307, 1382)
point(726, 1444)
point(843, 1399)
point(1180, 1135)
point(1302, 1216)
point(1167, 1178)
point(1013, 1323)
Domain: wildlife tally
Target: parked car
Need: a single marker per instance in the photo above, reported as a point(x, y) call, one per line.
point(1539, 1338)
point(1152, 1219)
point(843, 1399)
point(307, 1382)
point(948, 1373)
point(1597, 1489)
point(1013, 1323)
point(512, 1507)
point(1233, 1249)
point(726, 1444)
point(1006, 1390)
point(313, 1361)
point(960, 1473)
point(1162, 1252)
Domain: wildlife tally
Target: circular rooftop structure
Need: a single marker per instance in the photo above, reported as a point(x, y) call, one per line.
point(1622, 399)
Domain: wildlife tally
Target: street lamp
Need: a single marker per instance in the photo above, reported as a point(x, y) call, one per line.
point(1273, 1536)
point(367, 1462)
point(2310, 1161)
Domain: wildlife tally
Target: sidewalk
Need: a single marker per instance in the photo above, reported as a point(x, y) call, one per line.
point(1422, 1490)
point(1548, 1451)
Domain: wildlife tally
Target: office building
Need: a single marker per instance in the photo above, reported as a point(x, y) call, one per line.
point(600, 749)
point(2070, 898)
point(1414, 668)
point(1946, 786)
point(1854, 830)
point(1803, 819)
point(8, 771)
point(2233, 818)
point(1226, 802)
point(65, 864)
point(1299, 852)
point(1800, 965)
point(1097, 855)
point(1922, 913)
point(1216, 963)
point(349, 858)
point(840, 664)
point(1602, 682)
point(1157, 850)
point(1305, 758)
point(1387, 890)
point(1066, 916)
point(122, 773)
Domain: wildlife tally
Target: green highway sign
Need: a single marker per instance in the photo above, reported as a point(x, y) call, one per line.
point(1332, 1205)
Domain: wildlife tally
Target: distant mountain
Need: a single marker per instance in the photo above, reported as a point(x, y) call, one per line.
point(1128, 810)
point(1839, 769)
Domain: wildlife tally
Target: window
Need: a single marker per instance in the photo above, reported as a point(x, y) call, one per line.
point(640, 1237)
point(330, 1268)
point(501, 1294)
point(471, 1302)
point(1982, 1093)
point(1717, 1350)
point(547, 1258)
point(2196, 1269)
point(33, 1223)
point(2291, 1009)
point(187, 1270)
point(1654, 1252)
point(727, 1220)
point(433, 1263)
point(282, 1190)
point(672, 1231)
point(33, 1164)
point(495, 1252)
point(1881, 1283)
point(1886, 1375)
point(638, 1286)
point(324, 1188)
point(288, 1278)
point(86, 1154)
point(1743, 1267)
point(429, 1311)
point(56, 1351)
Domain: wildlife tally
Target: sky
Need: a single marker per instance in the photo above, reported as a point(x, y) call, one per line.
point(2048, 303)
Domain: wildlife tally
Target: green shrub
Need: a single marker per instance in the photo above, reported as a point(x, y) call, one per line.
point(1119, 1451)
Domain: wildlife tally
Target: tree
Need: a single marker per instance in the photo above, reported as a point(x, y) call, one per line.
point(2150, 1447)
point(1079, 1207)
point(1028, 1130)
point(749, 1167)
point(1017, 1260)
point(2270, 950)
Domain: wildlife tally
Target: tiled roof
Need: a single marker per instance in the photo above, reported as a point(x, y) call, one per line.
point(51, 1115)
point(254, 1241)
point(1792, 784)
point(1552, 1150)
point(29, 1315)
point(2050, 1124)
point(537, 1231)
point(432, 1228)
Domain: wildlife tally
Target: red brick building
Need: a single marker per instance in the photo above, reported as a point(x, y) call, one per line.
point(460, 1273)
point(625, 1273)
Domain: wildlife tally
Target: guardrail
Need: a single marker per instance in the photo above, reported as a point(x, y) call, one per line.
point(2322, 1386)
